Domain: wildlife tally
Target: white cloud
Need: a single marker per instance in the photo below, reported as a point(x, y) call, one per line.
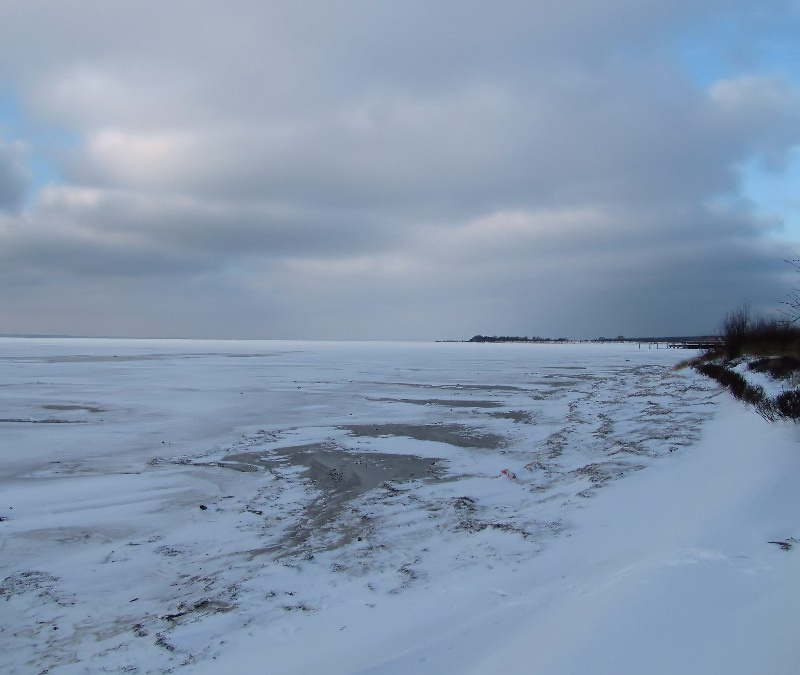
point(143, 159)
point(763, 111)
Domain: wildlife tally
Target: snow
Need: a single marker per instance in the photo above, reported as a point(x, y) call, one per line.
point(298, 507)
point(678, 575)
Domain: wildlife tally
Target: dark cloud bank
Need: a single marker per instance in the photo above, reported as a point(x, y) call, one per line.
point(390, 170)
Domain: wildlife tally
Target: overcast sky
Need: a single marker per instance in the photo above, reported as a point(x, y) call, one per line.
point(414, 170)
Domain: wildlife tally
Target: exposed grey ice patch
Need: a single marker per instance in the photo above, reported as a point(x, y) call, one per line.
point(519, 416)
point(335, 477)
point(459, 435)
point(455, 387)
point(66, 406)
point(47, 420)
point(444, 402)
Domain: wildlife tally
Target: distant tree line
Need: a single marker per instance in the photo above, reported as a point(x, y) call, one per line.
point(513, 338)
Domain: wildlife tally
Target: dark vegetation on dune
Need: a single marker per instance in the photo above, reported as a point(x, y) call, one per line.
point(767, 346)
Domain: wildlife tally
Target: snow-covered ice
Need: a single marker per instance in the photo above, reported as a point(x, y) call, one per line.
point(298, 507)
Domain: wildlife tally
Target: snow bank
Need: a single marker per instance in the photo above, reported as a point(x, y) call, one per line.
point(676, 569)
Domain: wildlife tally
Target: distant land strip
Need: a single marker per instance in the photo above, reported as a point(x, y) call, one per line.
point(704, 340)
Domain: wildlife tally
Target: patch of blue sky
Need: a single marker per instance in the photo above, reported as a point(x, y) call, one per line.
point(705, 54)
point(10, 114)
point(44, 142)
point(775, 195)
point(756, 42)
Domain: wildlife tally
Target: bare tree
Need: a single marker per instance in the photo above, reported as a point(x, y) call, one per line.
point(735, 328)
point(792, 302)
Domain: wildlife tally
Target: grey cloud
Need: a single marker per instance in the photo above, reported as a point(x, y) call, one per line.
point(477, 151)
point(134, 64)
point(331, 105)
point(220, 228)
point(605, 136)
point(97, 233)
point(352, 167)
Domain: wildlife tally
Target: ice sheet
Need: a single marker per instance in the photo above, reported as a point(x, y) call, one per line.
point(385, 507)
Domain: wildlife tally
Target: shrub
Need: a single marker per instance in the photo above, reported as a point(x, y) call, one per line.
point(778, 345)
point(737, 385)
point(777, 367)
point(787, 404)
point(744, 334)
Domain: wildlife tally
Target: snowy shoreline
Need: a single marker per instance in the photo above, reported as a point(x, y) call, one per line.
point(201, 506)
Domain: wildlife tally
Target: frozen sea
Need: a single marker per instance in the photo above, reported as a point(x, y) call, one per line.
point(200, 506)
